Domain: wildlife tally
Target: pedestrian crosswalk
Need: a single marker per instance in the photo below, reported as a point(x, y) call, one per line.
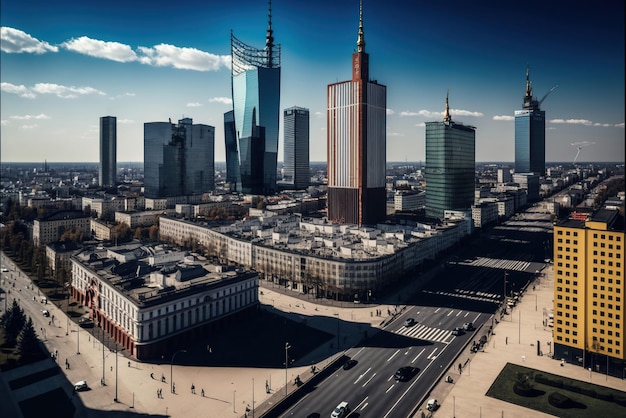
point(497, 263)
point(422, 332)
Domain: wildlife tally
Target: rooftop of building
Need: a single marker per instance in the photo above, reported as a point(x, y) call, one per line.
point(64, 214)
point(149, 275)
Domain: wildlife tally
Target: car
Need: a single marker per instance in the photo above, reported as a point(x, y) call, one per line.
point(403, 374)
point(409, 322)
point(85, 322)
point(45, 313)
point(457, 331)
point(341, 410)
point(5, 270)
point(468, 326)
point(349, 364)
point(432, 405)
point(81, 385)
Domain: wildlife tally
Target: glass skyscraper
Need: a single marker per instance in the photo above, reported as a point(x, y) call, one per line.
point(530, 135)
point(108, 151)
point(178, 159)
point(296, 153)
point(357, 144)
point(256, 104)
point(450, 166)
point(232, 155)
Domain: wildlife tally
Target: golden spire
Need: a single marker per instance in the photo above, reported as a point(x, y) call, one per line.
point(360, 43)
point(446, 114)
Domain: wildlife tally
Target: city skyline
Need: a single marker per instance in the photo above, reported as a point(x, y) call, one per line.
point(143, 62)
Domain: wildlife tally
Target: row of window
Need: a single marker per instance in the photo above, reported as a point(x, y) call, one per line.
point(575, 341)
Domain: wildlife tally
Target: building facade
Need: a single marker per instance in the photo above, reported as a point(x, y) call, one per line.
point(107, 174)
point(256, 110)
point(232, 153)
point(153, 304)
point(52, 227)
point(296, 147)
point(530, 135)
point(589, 292)
point(450, 166)
point(357, 144)
point(179, 159)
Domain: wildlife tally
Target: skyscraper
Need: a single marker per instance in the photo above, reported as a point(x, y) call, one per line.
point(356, 144)
point(530, 134)
point(450, 165)
point(296, 158)
point(232, 155)
point(256, 104)
point(178, 159)
point(108, 151)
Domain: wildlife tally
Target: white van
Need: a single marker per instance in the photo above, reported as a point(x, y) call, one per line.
point(81, 385)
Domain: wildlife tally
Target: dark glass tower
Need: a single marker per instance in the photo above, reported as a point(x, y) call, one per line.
point(296, 158)
point(530, 134)
point(450, 165)
point(178, 159)
point(256, 103)
point(232, 155)
point(357, 144)
point(108, 151)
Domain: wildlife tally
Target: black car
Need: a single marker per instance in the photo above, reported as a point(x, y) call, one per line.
point(349, 364)
point(403, 374)
point(458, 331)
point(409, 322)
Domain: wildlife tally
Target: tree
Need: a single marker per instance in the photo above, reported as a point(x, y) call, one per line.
point(27, 342)
point(154, 232)
point(12, 321)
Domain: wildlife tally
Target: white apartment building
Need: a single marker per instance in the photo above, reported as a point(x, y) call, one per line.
point(52, 227)
point(405, 201)
point(135, 219)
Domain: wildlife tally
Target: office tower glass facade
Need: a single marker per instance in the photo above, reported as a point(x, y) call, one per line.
point(178, 159)
point(296, 158)
point(256, 103)
point(108, 151)
point(450, 167)
point(530, 134)
point(232, 154)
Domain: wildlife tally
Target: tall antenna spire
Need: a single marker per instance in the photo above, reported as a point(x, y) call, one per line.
point(360, 43)
point(446, 114)
point(269, 37)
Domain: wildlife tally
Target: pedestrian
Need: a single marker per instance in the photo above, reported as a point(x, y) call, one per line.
point(151, 375)
point(202, 393)
point(162, 378)
point(173, 388)
point(193, 389)
point(129, 364)
point(158, 394)
point(68, 365)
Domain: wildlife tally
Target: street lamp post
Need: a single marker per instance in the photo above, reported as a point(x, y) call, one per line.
point(78, 340)
point(172, 370)
point(115, 399)
point(505, 276)
point(337, 315)
point(287, 347)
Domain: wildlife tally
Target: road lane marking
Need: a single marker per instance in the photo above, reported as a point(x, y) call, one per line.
point(420, 353)
point(460, 312)
point(437, 310)
point(430, 357)
point(368, 380)
point(477, 316)
point(465, 316)
point(361, 376)
point(363, 407)
point(390, 387)
point(449, 313)
point(393, 355)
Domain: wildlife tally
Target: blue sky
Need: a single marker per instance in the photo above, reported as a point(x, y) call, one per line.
point(66, 63)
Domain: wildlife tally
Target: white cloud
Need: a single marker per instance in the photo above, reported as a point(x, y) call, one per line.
point(125, 121)
point(224, 100)
point(113, 51)
point(164, 55)
point(195, 104)
point(64, 92)
point(20, 90)
point(29, 126)
point(619, 125)
point(503, 117)
point(17, 41)
point(421, 124)
point(573, 121)
point(394, 134)
point(4, 122)
point(425, 113)
point(430, 114)
point(28, 117)
point(390, 112)
point(463, 112)
point(319, 114)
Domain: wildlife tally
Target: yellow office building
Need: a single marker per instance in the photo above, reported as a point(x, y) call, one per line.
point(589, 292)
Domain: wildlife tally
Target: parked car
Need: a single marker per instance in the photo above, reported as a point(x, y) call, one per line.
point(81, 385)
point(409, 322)
point(349, 364)
point(45, 313)
point(85, 322)
point(432, 405)
point(457, 331)
point(341, 410)
point(468, 326)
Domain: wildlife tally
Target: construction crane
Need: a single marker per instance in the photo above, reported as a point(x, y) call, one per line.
point(580, 145)
point(546, 95)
